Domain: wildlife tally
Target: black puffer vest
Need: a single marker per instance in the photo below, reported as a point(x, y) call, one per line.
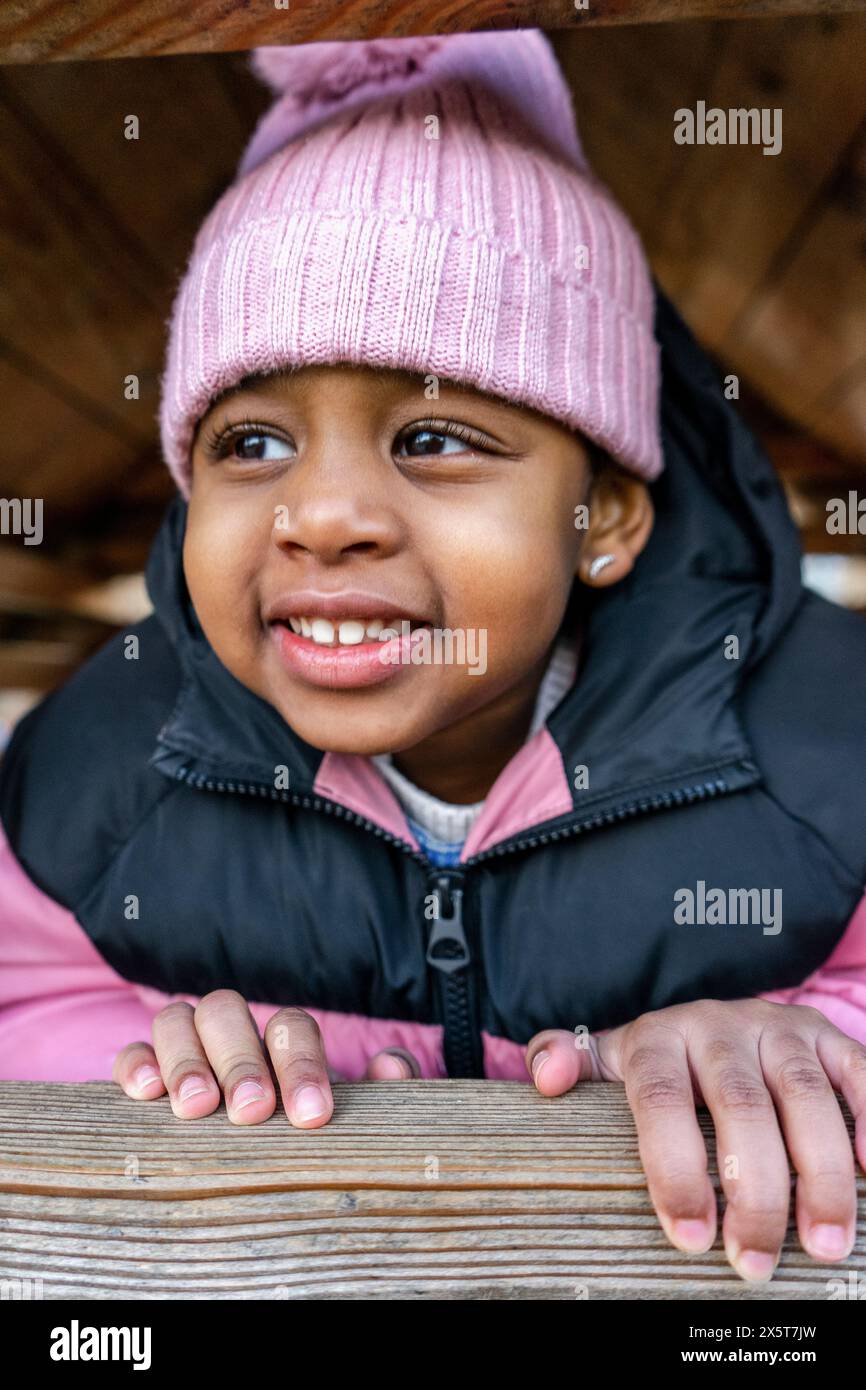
point(155, 778)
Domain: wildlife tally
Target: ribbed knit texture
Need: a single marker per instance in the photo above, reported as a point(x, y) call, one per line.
point(489, 255)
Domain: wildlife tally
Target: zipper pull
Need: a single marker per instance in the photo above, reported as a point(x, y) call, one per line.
point(447, 947)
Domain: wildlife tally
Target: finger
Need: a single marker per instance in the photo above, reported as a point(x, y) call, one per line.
point(844, 1061)
point(817, 1141)
point(753, 1164)
point(233, 1047)
point(556, 1060)
point(185, 1069)
point(392, 1064)
point(296, 1049)
point(673, 1153)
point(135, 1070)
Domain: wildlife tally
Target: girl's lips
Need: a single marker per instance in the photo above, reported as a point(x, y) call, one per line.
point(340, 668)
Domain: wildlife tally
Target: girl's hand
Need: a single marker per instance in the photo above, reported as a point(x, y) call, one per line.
point(215, 1049)
point(764, 1071)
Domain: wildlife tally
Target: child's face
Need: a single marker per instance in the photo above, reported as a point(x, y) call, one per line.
point(323, 493)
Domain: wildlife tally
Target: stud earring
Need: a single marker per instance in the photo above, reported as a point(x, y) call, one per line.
point(600, 563)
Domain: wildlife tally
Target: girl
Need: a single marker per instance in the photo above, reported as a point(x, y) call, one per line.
point(482, 726)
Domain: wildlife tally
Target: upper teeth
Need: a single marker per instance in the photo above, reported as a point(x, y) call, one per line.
point(346, 633)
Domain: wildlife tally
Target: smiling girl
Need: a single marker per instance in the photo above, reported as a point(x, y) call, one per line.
point(252, 844)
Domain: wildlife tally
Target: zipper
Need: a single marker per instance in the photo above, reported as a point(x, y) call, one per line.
point(663, 801)
point(682, 796)
point(448, 948)
point(449, 954)
point(308, 802)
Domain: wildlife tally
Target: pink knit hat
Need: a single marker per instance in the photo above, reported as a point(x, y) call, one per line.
point(424, 204)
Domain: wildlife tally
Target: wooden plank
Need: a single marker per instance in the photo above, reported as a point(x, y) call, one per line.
point(812, 476)
point(37, 665)
point(79, 312)
point(722, 223)
point(626, 87)
point(147, 194)
point(33, 583)
point(730, 210)
point(808, 324)
point(841, 411)
point(66, 450)
point(94, 234)
point(415, 1190)
point(34, 31)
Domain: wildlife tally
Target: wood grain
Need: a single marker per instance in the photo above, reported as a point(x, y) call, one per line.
point(94, 237)
point(763, 256)
point(34, 31)
point(449, 1189)
point(809, 312)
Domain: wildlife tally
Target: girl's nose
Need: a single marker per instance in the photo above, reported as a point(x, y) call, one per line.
point(329, 510)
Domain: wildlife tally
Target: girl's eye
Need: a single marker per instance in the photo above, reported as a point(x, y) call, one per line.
point(252, 443)
point(422, 441)
point(256, 445)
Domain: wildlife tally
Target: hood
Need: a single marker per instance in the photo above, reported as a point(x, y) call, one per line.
point(656, 688)
point(654, 708)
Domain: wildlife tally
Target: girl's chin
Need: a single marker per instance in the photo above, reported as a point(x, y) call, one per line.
point(358, 748)
point(360, 735)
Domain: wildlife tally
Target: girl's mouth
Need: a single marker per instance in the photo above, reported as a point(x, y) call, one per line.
point(346, 632)
point(344, 653)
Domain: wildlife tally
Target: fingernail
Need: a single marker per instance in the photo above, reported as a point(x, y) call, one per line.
point(391, 1068)
point(828, 1241)
point(538, 1063)
point(191, 1086)
point(309, 1103)
point(246, 1094)
point(144, 1078)
point(694, 1235)
point(755, 1265)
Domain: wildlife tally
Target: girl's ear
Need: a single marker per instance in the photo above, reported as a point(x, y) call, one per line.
point(621, 519)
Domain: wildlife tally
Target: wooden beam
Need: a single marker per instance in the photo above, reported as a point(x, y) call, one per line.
point(34, 584)
point(37, 665)
point(38, 31)
point(444, 1189)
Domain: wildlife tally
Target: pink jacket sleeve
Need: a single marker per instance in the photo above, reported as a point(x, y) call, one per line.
point(838, 988)
point(65, 1013)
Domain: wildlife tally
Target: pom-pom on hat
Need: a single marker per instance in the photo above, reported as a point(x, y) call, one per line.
point(313, 80)
point(422, 204)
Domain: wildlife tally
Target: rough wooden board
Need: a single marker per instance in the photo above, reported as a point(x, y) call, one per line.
point(102, 1197)
point(744, 210)
point(762, 256)
point(41, 30)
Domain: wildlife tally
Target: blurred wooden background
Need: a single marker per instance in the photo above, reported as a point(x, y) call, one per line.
point(766, 257)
